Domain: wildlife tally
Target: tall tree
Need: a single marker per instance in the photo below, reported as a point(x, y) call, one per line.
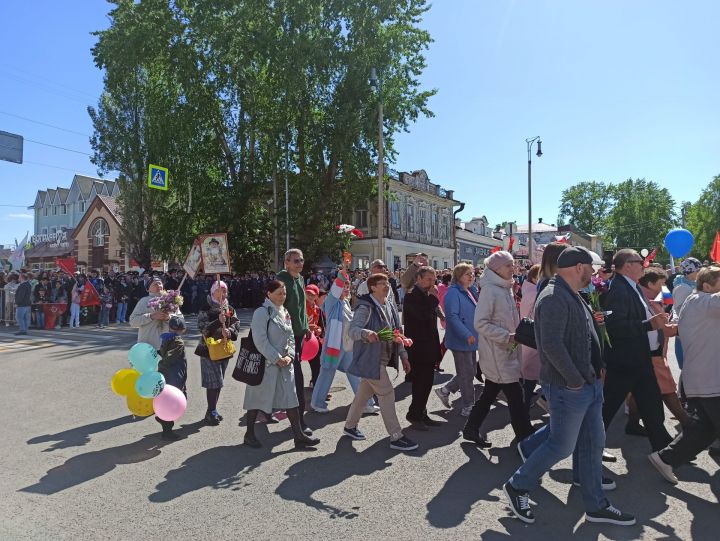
point(586, 206)
point(641, 216)
point(703, 219)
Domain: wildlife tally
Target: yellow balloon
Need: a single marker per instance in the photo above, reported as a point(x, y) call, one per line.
point(123, 382)
point(138, 406)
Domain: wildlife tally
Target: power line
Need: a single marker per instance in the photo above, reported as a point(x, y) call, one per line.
point(61, 168)
point(47, 81)
point(58, 147)
point(44, 124)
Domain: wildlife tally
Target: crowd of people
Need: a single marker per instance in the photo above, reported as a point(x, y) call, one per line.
point(600, 338)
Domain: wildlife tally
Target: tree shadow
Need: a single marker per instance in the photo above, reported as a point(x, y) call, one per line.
point(82, 468)
point(79, 436)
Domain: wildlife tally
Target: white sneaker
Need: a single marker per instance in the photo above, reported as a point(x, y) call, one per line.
point(319, 410)
point(465, 412)
point(444, 396)
point(664, 469)
point(371, 409)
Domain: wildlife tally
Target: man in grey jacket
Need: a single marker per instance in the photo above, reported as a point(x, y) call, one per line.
point(571, 374)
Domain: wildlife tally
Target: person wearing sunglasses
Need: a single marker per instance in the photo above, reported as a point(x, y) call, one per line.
point(633, 330)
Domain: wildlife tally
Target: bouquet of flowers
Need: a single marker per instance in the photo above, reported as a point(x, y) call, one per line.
point(600, 287)
point(168, 302)
point(388, 335)
point(347, 233)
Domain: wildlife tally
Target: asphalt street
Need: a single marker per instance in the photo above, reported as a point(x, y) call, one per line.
point(76, 465)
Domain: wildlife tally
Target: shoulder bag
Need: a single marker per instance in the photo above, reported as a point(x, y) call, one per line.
point(250, 365)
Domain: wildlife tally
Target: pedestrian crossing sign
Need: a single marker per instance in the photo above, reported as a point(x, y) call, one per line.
point(158, 177)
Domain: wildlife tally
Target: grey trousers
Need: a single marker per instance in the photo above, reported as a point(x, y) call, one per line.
point(465, 368)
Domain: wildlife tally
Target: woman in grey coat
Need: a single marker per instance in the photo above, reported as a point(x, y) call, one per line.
point(273, 336)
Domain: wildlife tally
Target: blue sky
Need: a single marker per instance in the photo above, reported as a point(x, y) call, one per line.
point(615, 89)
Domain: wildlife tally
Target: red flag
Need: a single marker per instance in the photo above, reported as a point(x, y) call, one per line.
point(650, 258)
point(89, 295)
point(495, 250)
point(715, 251)
point(66, 264)
point(510, 244)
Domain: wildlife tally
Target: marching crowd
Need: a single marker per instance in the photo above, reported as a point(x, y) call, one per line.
point(574, 334)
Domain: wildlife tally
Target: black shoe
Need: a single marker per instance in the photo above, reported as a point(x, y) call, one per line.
point(607, 457)
point(306, 442)
point(519, 503)
point(431, 422)
point(403, 444)
point(611, 515)
point(170, 436)
point(252, 441)
point(21, 333)
point(219, 417)
point(211, 418)
point(353, 433)
point(473, 435)
point(635, 429)
point(418, 425)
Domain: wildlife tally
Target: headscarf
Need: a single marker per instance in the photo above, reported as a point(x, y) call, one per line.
point(498, 259)
point(690, 265)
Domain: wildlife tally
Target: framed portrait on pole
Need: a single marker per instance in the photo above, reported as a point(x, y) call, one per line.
point(215, 254)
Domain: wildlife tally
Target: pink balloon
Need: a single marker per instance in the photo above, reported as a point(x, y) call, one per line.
point(170, 404)
point(310, 348)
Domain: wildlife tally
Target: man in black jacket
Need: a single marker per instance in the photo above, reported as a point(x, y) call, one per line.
point(634, 335)
point(23, 303)
point(420, 309)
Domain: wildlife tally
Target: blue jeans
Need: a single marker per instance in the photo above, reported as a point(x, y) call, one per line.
point(121, 312)
point(40, 319)
point(325, 379)
point(22, 314)
point(576, 427)
point(74, 315)
point(679, 352)
point(104, 317)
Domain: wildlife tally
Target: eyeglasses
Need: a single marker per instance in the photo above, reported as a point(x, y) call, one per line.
point(635, 261)
point(296, 261)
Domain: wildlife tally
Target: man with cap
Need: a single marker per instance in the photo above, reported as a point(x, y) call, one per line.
point(633, 331)
point(149, 323)
point(378, 266)
point(571, 375)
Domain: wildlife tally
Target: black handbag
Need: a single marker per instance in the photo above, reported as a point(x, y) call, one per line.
point(250, 366)
point(525, 333)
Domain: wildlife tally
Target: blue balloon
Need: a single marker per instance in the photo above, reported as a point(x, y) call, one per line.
point(150, 384)
point(679, 242)
point(143, 358)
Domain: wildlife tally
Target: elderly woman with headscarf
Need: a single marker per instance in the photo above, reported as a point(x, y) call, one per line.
point(683, 286)
point(496, 318)
point(217, 320)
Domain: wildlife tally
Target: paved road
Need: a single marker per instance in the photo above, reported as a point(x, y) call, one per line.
point(76, 466)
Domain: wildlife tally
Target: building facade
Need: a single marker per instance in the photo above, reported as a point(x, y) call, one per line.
point(96, 239)
point(418, 217)
point(475, 240)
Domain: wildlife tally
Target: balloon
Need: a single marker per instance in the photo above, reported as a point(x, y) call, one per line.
point(150, 384)
point(310, 348)
point(644, 252)
point(679, 242)
point(170, 404)
point(138, 406)
point(123, 382)
point(143, 357)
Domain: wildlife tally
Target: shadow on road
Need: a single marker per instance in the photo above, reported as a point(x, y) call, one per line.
point(77, 437)
point(82, 468)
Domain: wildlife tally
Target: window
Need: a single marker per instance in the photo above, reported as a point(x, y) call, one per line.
point(63, 209)
point(422, 230)
point(361, 218)
point(97, 232)
point(445, 233)
point(411, 218)
point(53, 233)
point(44, 231)
point(81, 205)
point(395, 214)
point(434, 225)
point(55, 209)
point(45, 211)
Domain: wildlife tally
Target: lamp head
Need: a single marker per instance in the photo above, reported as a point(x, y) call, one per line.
point(539, 150)
point(373, 77)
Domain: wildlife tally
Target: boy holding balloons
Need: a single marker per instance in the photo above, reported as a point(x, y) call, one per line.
point(173, 366)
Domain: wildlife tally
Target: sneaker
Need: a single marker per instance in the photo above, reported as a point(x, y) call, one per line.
point(319, 409)
point(353, 433)
point(607, 483)
point(519, 503)
point(444, 395)
point(663, 468)
point(611, 515)
point(403, 444)
point(212, 418)
point(542, 404)
point(371, 409)
point(520, 452)
point(465, 412)
point(607, 457)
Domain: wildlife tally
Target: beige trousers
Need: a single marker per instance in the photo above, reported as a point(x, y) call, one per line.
point(385, 393)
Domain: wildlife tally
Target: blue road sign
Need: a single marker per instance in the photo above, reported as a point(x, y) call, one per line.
point(158, 177)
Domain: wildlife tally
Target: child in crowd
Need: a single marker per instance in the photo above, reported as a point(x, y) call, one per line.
point(173, 366)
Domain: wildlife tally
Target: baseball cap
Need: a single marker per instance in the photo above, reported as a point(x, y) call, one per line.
point(572, 255)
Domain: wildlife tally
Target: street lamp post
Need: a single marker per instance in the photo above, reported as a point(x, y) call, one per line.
point(375, 83)
point(530, 143)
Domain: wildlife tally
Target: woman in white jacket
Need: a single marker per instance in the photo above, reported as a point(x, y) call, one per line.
point(496, 318)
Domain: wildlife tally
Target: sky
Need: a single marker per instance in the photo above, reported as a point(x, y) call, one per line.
point(615, 89)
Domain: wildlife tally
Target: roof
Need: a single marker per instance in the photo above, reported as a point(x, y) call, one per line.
point(538, 228)
point(63, 194)
point(84, 184)
point(112, 205)
point(50, 197)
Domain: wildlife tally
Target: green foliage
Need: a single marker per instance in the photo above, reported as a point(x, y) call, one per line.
point(228, 93)
point(586, 206)
point(703, 219)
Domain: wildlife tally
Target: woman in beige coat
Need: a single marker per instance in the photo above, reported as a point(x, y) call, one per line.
point(496, 318)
